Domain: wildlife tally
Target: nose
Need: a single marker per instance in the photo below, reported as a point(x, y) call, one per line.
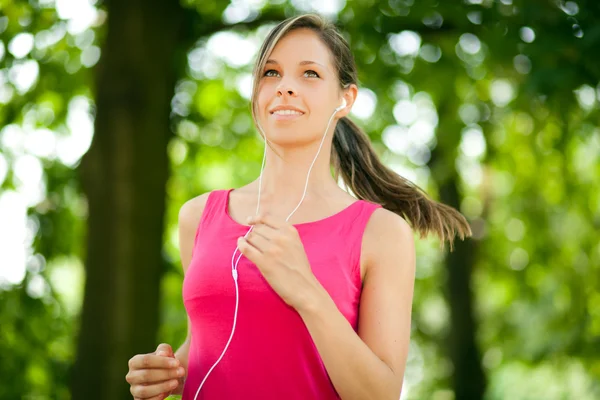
point(285, 87)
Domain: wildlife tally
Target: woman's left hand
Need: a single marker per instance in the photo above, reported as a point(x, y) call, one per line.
point(276, 249)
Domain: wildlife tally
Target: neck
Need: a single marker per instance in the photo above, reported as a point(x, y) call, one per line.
point(284, 176)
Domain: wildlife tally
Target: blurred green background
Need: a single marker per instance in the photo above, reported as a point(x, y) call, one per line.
point(114, 113)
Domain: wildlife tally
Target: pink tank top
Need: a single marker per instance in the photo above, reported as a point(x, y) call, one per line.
point(271, 355)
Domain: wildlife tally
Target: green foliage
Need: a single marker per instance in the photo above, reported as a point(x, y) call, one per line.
point(510, 89)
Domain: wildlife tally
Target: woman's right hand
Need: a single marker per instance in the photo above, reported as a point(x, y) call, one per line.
point(155, 375)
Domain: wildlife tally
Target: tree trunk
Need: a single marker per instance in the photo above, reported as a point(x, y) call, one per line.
point(468, 380)
point(124, 175)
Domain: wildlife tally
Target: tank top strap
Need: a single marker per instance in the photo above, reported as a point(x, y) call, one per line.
point(213, 210)
point(361, 215)
point(359, 220)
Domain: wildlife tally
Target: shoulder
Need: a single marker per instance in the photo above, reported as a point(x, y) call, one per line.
point(388, 221)
point(191, 212)
point(387, 236)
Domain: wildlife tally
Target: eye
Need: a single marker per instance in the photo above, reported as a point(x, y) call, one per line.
point(312, 72)
point(269, 71)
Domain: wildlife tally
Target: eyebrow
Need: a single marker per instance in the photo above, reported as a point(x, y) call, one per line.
point(306, 62)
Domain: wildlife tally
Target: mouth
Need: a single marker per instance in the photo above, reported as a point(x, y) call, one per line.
point(286, 115)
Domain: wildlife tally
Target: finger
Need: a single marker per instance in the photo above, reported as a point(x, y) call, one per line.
point(164, 349)
point(159, 397)
point(149, 391)
point(145, 361)
point(258, 241)
point(265, 231)
point(265, 219)
point(251, 252)
point(145, 376)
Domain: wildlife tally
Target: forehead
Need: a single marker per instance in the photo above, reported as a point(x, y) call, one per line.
point(299, 45)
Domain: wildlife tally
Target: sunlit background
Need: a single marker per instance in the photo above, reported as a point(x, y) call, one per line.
point(504, 93)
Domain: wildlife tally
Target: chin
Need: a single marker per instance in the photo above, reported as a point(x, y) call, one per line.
point(296, 138)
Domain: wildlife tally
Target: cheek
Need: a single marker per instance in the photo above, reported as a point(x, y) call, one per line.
point(321, 108)
point(318, 96)
point(262, 101)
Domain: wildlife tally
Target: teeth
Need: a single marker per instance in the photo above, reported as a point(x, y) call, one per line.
point(287, 112)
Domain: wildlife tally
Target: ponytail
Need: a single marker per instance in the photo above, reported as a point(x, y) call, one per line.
point(355, 160)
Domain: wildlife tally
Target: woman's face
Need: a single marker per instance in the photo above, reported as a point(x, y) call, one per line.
point(298, 76)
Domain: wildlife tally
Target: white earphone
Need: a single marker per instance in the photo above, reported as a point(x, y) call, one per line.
point(234, 265)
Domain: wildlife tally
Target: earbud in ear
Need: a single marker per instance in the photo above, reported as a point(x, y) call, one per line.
point(342, 106)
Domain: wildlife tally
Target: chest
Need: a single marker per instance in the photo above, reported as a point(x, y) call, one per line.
point(209, 284)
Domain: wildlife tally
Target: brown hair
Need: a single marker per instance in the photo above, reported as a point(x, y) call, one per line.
point(353, 157)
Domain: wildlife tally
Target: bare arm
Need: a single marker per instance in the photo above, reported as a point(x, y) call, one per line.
point(370, 365)
point(189, 217)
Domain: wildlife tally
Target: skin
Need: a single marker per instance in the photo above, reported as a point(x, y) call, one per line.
point(154, 375)
point(315, 90)
point(369, 364)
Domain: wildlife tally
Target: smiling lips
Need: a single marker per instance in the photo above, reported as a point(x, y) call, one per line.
point(286, 114)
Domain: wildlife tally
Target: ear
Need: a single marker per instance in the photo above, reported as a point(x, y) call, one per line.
point(350, 94)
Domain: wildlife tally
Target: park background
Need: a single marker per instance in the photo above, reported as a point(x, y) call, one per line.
point(114, 113)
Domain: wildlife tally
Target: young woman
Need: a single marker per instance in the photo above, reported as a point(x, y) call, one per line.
point(294, 289)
